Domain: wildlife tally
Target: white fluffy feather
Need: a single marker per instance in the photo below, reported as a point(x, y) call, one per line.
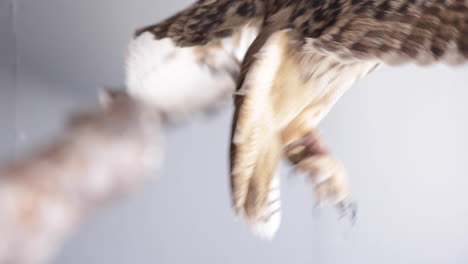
point(183, 80)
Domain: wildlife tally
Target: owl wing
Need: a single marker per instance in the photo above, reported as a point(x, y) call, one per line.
point(295, 72)
point(191, 61)
point(206, 20)
point(388, 31)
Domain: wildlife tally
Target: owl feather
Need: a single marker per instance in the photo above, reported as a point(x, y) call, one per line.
point(286, 63)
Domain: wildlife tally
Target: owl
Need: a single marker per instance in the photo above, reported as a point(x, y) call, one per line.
point(285, 63)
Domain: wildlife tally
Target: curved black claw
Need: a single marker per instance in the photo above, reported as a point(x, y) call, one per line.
point(348, 209)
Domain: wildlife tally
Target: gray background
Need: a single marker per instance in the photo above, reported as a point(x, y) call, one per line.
point(402, 134)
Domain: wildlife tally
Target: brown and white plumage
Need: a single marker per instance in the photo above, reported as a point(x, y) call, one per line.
point(291, 61)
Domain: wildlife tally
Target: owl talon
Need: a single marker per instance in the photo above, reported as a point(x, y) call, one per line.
point(329, 179)
point(327, 174)
point(348, 209)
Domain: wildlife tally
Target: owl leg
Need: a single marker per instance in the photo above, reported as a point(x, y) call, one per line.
point(306, 151)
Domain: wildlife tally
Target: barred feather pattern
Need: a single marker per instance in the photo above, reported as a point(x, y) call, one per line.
point(206, 20)
point(389, 31)
point(268, 220)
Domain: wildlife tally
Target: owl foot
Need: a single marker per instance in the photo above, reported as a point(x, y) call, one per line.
point(326, 173)
point(329, 178)
point(307, 146)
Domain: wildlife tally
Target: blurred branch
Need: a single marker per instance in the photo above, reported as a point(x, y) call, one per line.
point(99, 157)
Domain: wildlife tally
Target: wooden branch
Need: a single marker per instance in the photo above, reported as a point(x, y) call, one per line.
point(99, 157)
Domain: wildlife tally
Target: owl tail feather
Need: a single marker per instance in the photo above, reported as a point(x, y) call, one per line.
point(268, 218)
point(262, 206)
